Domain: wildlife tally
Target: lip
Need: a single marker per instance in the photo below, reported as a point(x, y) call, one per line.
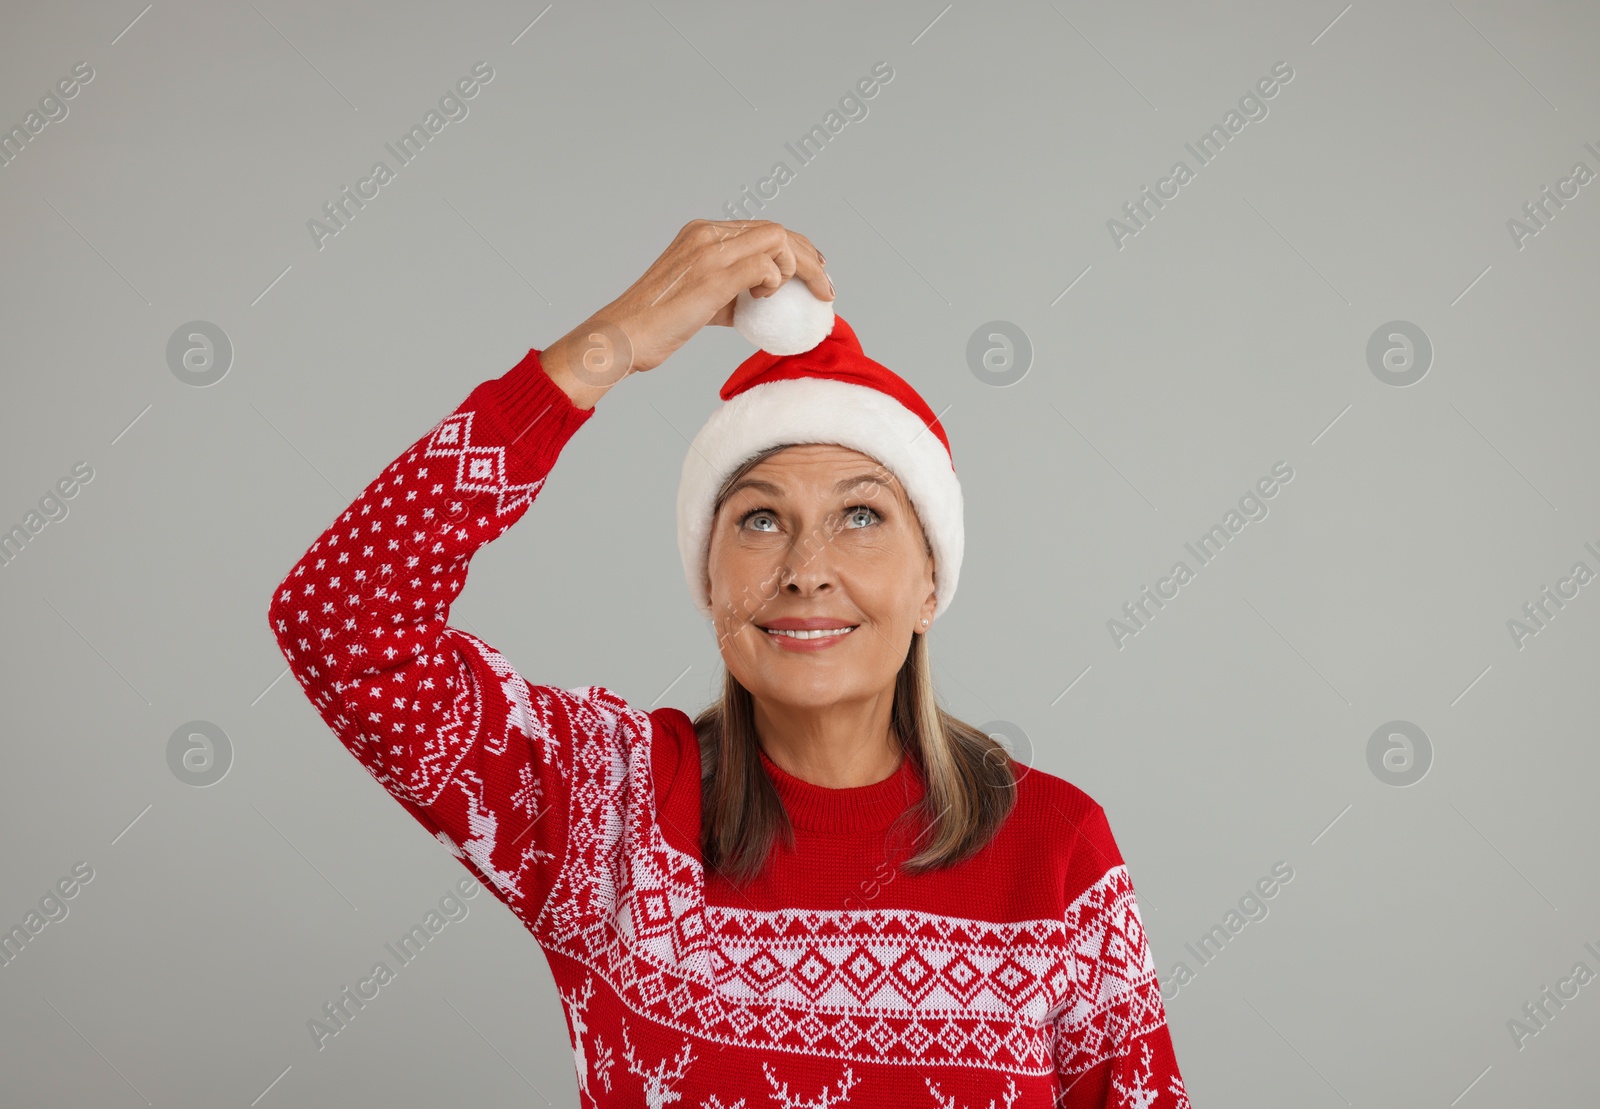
point(820, 643)
point(806, 623)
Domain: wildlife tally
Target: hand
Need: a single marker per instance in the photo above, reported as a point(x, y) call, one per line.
point(695, 282)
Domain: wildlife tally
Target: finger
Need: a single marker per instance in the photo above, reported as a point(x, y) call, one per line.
point(809, 245)
point(742, 235)
point(758, 273)
point(736, 244)
point(786, 261)
point(810, 268)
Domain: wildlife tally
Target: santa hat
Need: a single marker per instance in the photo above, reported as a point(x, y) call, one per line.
point(823, 389)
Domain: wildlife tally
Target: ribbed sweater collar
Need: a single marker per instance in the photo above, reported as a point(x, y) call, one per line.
point(868, 808)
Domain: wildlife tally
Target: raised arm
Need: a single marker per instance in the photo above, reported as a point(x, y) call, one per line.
point(438, 717)
point(1112, 1043)
point(490, 764)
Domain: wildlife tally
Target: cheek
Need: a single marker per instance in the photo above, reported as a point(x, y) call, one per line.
point(739, 585)
point(887, 573)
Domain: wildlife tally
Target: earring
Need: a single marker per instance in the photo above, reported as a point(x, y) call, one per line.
point(924, 620)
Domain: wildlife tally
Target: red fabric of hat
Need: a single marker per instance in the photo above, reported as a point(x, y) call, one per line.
point(840, 357)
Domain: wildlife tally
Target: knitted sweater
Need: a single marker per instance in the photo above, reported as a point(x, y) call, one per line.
point(1017, 979)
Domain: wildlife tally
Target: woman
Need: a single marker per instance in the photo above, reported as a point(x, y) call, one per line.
point(822, 890)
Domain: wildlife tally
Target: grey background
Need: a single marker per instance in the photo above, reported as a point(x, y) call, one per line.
point(1230, 334)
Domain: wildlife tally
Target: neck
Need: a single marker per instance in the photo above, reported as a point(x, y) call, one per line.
point(837, 746)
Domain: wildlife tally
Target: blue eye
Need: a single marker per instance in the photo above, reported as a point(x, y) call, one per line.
point(849, 513)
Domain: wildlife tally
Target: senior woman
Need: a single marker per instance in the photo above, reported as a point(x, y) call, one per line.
point(824, 889)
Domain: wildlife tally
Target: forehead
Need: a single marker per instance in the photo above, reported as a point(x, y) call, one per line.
point(817, 468)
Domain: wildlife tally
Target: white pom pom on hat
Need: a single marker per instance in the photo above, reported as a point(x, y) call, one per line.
point(789, 321)
point(814, 384)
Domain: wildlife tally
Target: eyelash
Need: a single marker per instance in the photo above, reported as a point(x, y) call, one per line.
point(851, 511)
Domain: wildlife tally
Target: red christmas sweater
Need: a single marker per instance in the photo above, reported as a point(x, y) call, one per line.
point(1018, 979)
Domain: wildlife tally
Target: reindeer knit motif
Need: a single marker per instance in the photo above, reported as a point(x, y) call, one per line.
point(1019, 978)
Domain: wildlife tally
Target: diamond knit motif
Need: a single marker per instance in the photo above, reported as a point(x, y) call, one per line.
point(479, 468)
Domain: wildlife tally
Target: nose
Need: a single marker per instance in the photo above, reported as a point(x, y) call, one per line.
point(808, 565)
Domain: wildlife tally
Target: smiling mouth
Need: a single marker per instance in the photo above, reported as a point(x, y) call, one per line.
point(815, 633)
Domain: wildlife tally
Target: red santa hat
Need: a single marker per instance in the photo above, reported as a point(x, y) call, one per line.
point(826, 390)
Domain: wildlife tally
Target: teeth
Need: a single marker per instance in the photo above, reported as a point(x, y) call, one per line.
point(817, 634)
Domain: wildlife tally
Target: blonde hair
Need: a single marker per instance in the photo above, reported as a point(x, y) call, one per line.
point(969, 778)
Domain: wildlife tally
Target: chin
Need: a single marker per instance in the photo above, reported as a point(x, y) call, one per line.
point(798, 687)
point(807, 698)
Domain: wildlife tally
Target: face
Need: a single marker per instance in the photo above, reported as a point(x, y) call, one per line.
point(818, 531)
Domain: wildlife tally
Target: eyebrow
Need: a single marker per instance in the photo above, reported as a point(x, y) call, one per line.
point(844, 485)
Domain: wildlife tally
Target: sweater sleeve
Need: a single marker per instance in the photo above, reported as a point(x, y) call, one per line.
point(481, 758)
point(1111, 1041)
